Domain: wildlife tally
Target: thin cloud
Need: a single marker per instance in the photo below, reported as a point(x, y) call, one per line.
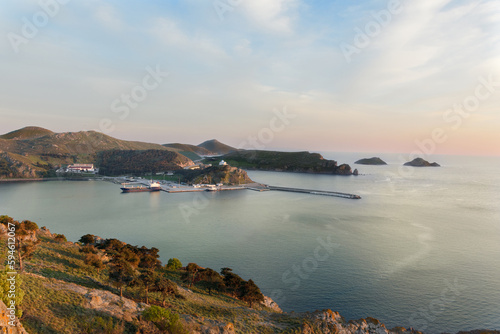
point(276, 15)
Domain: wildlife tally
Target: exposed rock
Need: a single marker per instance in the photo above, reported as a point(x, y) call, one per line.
point(45, 232)
point(355, 172)
point(371, 161)
point(419, 162)
point(329, 322)
point(343, 169)
point(268, 302)
point(108, 302)
point(102, 300)
point(4, 322)
point(207, 326)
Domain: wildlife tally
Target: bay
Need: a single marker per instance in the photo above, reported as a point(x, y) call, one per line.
point(421, 248)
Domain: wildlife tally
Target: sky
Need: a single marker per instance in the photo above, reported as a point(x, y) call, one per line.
point(362, 76)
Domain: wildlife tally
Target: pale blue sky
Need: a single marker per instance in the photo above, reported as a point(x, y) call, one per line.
point(231, 63)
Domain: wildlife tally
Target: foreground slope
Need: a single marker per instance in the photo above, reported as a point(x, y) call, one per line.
point(65, 293)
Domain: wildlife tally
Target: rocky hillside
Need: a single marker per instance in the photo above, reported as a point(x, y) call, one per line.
point(33, 152)
point(217, 174)
point(375, 161)
point(303, 162)
point(419, 162)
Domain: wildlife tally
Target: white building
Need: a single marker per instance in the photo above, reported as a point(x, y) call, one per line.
point(222, 163)
point(79, 168)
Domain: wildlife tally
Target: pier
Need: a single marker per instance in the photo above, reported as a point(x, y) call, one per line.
point(315, 192)
point(171, 187)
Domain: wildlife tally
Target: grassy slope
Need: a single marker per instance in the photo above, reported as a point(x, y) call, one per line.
point(217, 147)
point(48, 309)
point(27, 132)
point(35, 145)
point(189, 148)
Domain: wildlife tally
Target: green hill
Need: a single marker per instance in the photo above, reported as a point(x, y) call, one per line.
point(303, 162)
point(119, 162)
point(28, 132)
point(189, 148)
point(216, 147)
point(32, 152)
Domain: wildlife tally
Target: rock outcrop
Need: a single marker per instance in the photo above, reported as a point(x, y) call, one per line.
point(207, 326)
point(375, 161)
point(419, 162)
point(5, 322)
point(329, 322)
point(268, 302)
point(122, 308)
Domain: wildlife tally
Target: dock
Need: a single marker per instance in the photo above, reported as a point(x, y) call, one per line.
point(315, 192)
point(192, 189)
point(170, 187)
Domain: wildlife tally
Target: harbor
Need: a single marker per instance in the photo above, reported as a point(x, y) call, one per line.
point(171, 187)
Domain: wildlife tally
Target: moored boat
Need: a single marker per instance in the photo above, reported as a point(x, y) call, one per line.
point(130, 188)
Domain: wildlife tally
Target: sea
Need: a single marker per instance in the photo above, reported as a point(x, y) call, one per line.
point(421, 248)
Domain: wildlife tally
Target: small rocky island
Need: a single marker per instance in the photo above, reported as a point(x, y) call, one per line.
point(419, 162)
point(375, 161)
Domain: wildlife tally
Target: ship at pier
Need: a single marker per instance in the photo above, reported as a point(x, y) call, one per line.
point(135, 188)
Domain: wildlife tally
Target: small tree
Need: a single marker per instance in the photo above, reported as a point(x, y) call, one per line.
point(165, 287)
point(211, 280)
point(149, 258)
point(174, 264)
point(88, 249)
point(121, 273)
point(147, 279)
point(87, 239)
point(250, 293)
point(92, 259)
point(231, 281)
point(25, 246)
point(60, 238)
point(5, 220)
point(190, 276)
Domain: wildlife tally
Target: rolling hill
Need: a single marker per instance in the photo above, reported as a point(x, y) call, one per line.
point(303, 162)
point(32, 152)
point(28, 132)
point(189, 148)
point(216, 147)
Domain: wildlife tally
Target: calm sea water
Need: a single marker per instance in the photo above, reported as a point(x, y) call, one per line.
point(421, 249)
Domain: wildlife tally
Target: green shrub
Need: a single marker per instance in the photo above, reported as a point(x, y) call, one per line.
point(174, 264)
point(156, 313)
point(61, 238)
point(164, 319)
